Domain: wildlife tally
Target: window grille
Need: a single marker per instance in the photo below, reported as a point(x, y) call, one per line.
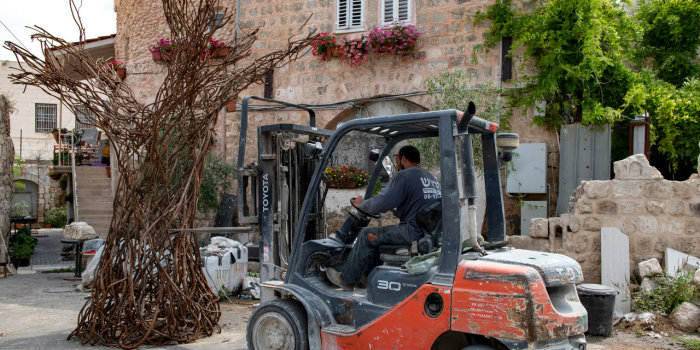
point(350, 14)
point(45, 117)
point(81, 121)
point(396, 10)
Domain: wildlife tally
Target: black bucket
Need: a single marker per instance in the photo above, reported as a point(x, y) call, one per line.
point(599, 301)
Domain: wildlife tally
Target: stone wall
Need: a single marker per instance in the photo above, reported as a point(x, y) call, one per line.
point(653, 212)
point(450, 36)
point(7, 155)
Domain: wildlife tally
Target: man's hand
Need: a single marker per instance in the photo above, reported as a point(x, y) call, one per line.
point(357, 201)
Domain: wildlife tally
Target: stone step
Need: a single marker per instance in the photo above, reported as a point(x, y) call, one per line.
point(94, 186)
point(102, 192)
point(89, 211)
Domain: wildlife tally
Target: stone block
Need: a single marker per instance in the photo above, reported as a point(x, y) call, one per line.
point(648, 285)
point(655, 207)
point(693, 227)
point(591, 224)
point(658, 189)
point(676, 208)
point(650, 267)
point(79, 230)
point(694, 209)
point(607, 207)
point(597, 189)
point(574, 224)
point(627, 188)
point(635, 167)
point(647, 224)
point(539, 228)
point(686, 317)
point(584, 207)
point(682, 190)
point(631, 207)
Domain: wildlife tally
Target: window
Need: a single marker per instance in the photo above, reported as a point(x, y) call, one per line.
point(395, 10)
point(44, 117)
point(218, 21)
point(81, 121)
point(350, 14)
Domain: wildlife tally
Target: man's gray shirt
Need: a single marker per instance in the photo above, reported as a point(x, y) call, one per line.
point(408, 191)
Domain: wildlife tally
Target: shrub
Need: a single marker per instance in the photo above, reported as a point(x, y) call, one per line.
point(22, 244)
point(56, 217)
point(670, 293)
point(20, 209)
point(217, 178)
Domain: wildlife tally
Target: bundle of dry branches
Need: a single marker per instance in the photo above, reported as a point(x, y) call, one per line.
point(150, 288)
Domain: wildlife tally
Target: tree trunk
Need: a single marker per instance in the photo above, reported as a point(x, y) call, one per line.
point(7, 154)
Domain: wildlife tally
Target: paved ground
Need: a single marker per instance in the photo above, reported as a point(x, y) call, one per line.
point(39, 309)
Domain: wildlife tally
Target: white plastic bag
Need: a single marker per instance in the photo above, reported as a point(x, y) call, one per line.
point(89, 273)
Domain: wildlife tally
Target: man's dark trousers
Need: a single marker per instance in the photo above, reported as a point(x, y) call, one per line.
point(361, 258)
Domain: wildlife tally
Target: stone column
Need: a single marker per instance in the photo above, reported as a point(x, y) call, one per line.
point(7, 154)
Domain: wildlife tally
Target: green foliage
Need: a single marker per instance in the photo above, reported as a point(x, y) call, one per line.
point(56, 217)
point(346, 175)
point(454, 90)
point(68, 197)
point(22, 244)
point(675, 117)
point(688, 343)
point(20, 209)
point(217, 178)
point(670, 293)
point(670, 39)
point(17, 171)
point(578, 47)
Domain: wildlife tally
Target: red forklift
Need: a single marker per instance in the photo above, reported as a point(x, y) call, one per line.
point(487, 296)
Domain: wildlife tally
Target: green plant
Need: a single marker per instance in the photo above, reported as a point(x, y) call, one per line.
point(217, 178)
point(68, 197)
point(670, 40)
point(22, 244)
point(322, 45)
point(377, 188)
point(689, 343)
point(20, 209)
point(346, 175)
point(454, 90)
point(63, 182)
point(669, 293)
point(56, 217)
point(578, 48)
point(17, 171)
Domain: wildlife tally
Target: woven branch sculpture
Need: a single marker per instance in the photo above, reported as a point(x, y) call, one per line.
point(150, 288)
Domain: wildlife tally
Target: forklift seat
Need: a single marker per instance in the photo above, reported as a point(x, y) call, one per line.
point(429, 219)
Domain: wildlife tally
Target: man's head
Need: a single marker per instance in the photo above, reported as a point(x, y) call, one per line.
point(407, 157)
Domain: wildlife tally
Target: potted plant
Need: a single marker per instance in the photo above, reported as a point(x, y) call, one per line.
point(55, 133)
point(165, 49)
point(217, 48)
point(56, 217)
point(19, 209)
point(346, 177)
point(397, 39)
point(356, 50)
point(55, 175)
point(325, 45)
point(117, 66)
point(22, 247)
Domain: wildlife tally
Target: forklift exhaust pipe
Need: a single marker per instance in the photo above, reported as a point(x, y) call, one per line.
point(468, 175)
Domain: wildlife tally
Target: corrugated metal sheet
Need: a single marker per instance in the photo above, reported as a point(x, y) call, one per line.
point(584, 154)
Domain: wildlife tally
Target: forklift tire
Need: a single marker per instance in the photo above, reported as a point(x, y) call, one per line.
point(479, 347)
point(278, 324)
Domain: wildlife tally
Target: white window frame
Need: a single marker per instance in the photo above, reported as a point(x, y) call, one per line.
point(81, 116)
point(395, 11)
point(45, 117)
point(349, 26)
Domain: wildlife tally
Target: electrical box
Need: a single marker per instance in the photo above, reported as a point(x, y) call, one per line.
point(527, 172)
point(530, 210)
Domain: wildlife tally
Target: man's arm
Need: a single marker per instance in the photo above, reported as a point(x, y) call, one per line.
point(388, 199)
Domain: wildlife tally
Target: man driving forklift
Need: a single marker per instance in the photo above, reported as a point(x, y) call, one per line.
point(409, 190)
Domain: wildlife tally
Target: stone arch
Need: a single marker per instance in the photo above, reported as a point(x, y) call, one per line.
point(375, 109)
point(29, 194)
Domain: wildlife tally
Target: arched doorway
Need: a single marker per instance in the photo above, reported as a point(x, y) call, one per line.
point(26, 195)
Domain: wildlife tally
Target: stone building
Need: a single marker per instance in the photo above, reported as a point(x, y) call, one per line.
point(383, 85)
point(37, 114)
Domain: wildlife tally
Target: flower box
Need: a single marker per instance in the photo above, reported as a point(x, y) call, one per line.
point(221, 52)
point(121, 73)
point(346, 177)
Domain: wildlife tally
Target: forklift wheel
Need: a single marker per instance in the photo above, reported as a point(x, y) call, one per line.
point(278, 324)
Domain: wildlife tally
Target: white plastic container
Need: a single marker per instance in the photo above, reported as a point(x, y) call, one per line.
point(226, 270)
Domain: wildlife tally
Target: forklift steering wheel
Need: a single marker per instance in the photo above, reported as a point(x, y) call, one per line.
point(373, 216)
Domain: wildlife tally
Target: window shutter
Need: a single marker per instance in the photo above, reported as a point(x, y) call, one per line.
point(350, 14)
point(395, 10)
point(388, 11)
point(402, 10)
point(342, 14)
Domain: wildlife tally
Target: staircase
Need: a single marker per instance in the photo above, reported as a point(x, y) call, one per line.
point(94, 198)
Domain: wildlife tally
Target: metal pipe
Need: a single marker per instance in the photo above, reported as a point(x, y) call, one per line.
point(75, 179)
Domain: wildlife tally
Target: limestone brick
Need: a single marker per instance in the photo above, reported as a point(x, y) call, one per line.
point(584, 207)
point(655, 207)
point(682, 190)
point(658, 189)
point(591, 224)
point(631, 207)
point(693, 227)
point(676, 207)
point(539, 228)
point(597, 189)
point(671, 227)
point(606, 207)
point(694, 209)
point(635, 167)
point(627, 189)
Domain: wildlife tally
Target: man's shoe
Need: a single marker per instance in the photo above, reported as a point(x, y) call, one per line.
point(334, 276)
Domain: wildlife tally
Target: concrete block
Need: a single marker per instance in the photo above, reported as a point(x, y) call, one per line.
point(686, 317)
point(649, 267)
point(615, 265)
point(635, 167)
